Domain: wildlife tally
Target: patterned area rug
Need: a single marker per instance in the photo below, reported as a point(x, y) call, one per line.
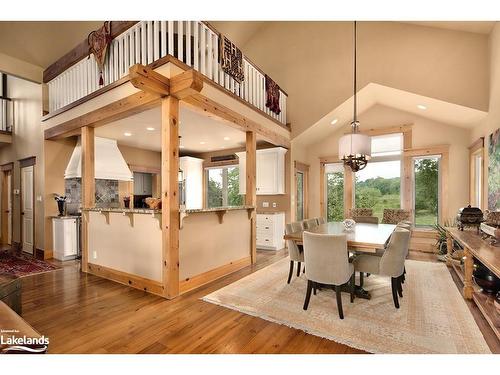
point(433, 317)
point(22, 265)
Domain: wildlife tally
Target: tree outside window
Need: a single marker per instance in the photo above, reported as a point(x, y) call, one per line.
point(223, 187)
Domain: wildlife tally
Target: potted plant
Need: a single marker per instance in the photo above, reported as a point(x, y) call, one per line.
point(61, 203)
point(126, 201)
point(441, 242)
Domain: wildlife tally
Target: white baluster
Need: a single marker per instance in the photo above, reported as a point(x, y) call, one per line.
point(208, 50)
point(138, 44)
point(171, 38)
point(196, 49)
point(156, 40)
point(215, 52)
point(149, 27)
point(188, 43)
point(144, 55)
point(180, 40)
point(203, 49)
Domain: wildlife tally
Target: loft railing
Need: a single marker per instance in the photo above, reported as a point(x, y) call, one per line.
point(192, 42)
point(6, 114)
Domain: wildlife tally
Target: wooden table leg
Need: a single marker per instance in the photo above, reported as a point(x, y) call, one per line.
point(449, 248)
point(469, 267)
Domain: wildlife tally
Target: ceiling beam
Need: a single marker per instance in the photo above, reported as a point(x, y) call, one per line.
point(147, 80)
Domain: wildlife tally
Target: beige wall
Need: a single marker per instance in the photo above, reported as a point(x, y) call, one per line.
point(27, 141)
point(312, 61)
point(19, 68)
point(425, 133)
point(492, 121)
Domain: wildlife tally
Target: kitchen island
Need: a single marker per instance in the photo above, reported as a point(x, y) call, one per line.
point(125, 245)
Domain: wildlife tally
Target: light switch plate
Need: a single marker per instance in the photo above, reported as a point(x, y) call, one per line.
point(265, 204)
point(39, 198)
point(274, 204)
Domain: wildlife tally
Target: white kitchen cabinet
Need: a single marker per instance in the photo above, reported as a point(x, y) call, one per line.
point(65, 237)
point(270, 171)
point(143, 183)
point(192, 170)
point(270, 231)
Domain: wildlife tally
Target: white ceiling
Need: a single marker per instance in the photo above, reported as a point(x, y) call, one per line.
point(480, 27)
point(194, 128)
point(372, 94)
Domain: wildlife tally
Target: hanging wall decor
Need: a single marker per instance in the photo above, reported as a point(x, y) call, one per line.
point(272, 96)
point(494, 171)
point(98, 41)
point(231, 59)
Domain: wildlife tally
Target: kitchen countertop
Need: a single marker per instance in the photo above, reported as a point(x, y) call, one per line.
point(150, 211)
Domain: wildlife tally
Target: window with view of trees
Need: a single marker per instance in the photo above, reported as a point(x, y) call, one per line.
point(223, 187)
point(334, 180)
point(378, 185)
point(426, 190)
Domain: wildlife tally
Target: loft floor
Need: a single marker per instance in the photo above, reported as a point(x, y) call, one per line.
point(83, 313)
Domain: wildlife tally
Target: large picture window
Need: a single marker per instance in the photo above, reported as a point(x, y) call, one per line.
point(223, 187)
point(378, 186)
point(334, 189)
point(426, 190)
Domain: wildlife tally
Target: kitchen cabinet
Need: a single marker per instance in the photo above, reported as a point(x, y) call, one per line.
point(270, 231)
point(143, 183)
point(192, 184)
point(270, 171)
point(65, 237)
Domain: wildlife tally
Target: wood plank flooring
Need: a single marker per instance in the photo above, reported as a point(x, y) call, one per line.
point(83, 313)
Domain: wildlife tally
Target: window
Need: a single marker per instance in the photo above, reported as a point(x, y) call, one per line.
point(426, 190)
point(476, 173)
point(378, 185)
point(223, 187)
point(334, 190)
point(478, 179)
point(300, 194)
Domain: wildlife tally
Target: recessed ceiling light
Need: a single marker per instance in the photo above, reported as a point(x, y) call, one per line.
point(334, 121)
point(202, 142)
point(227, 138)
point(182, 146)
point(127, 134)
point(421, 106)
point(150, 128)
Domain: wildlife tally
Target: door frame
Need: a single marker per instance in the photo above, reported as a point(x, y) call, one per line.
point(23, 163)
point(7, 169)
point(304, 169)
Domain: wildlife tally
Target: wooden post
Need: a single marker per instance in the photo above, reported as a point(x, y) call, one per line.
point(251, 189)
point(469, 268)
point(170, 195)
point(88, 187)
point(449, 248)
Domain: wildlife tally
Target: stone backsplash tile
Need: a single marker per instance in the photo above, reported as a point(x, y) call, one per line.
point(106, 194)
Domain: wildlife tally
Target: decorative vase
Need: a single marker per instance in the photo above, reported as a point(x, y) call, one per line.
point(61, 205)
point(126, 202)
point(485, 279)
point(349, 224)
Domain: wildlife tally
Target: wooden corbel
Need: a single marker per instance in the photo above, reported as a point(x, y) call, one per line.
point(147, 80)
point(250, 212)
point(186, 84)
point(221, 214)
point(130, 216)
point(106, 215)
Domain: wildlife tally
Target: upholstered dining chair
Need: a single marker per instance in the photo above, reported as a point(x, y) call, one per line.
point(327, 264)
point(359, 212)
point(294, 251)
point(320, 220)
point(309, 224)
point(391, 263)
point(395, 215)
point(366, 219)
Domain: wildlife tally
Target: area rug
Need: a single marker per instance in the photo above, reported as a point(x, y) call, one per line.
point(433, 317)
point(22, 265)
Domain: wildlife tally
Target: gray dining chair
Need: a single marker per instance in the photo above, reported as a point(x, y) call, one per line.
point(391, 263)
point(366, 219)
point(320, 220)
point(327, 264)
point(395, 215)
point(295, 253)
point(310, 223)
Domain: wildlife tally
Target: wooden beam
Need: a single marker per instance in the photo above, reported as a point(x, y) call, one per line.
point(88, 187)
point(251, 188)
point(147, 80)
point(81, 51)
point(234, 119)
point(186, 84)
point(117, 110)
point(170, 195)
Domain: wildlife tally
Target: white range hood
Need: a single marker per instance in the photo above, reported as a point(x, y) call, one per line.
point(109, 162)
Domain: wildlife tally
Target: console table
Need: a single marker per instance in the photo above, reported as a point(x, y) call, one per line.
point(475, 247)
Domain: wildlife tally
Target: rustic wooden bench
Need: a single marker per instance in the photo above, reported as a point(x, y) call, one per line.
point(10, 291)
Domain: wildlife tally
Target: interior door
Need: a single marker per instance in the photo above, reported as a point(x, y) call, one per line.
point(27, 208)
point(9, 208)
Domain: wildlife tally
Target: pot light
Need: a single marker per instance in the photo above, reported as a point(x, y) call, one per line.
point(202, 142)
point(182, 146)
point(127, 134)
point(334, 121)
point(150, 128)
point(422, 107)
point(227, 138)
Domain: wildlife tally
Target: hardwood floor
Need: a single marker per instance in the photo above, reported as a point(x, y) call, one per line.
point(83, 313)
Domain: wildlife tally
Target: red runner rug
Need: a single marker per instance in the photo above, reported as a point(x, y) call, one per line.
point(18, 265)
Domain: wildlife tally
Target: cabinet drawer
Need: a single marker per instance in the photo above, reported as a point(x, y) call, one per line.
point(265, 219)
point(264, 241)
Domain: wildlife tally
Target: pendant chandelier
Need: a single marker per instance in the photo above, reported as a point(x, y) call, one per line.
point(355, 148)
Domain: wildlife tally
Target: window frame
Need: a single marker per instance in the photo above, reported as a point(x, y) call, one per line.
point(476, 174)
point(206, 177)
point(304, 169)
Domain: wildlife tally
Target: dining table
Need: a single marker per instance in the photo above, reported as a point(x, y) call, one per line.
point(362, 237)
